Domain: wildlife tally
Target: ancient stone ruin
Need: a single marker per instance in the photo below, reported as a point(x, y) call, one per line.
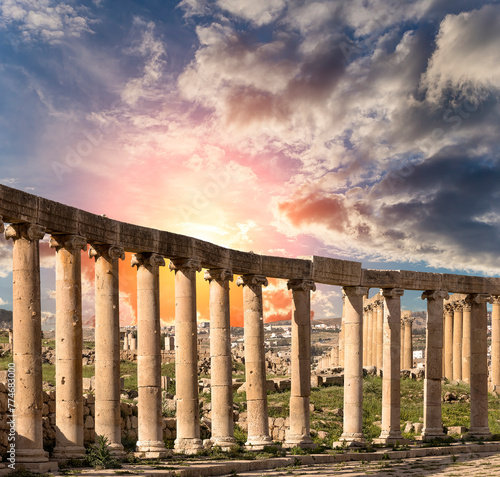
point(370, 336)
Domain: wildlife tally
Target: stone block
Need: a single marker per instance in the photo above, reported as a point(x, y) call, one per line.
point(457, 430)
point(380, 278)
point(336, 272)
point(420, 280)
point(89, 422)
point(87, 384)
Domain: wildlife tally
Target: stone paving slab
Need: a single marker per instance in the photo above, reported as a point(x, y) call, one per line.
point(472, 460)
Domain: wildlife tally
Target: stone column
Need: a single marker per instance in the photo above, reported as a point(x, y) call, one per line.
point(132, 342)
point(466, 342)
point(408, 343)
point(255, 364)
point(479, 368)
point(495, 345)
point(448, 341)
point(353, 367)
point(11, 337)
point(341, 335)
point(380, 335)
point(125, 341)
point(365, 336)
point(369, 338)
point(457, 340)
point(107, 345)
point(69, 345)
point(374, 333)
point(391, 396)
point(186, 356)
point(299, 433)
point(220, 358)
point(433, 423)
point(27, 325)
point(150, 430)
point(402, 344)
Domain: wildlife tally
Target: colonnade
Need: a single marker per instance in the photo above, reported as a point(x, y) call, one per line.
point(371, 335)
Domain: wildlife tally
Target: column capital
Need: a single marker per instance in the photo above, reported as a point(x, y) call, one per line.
point(109, 252)
point(467, 306)
point(458, 305)
point(448, 308)
point(72, 243)
point(219, 274)
point(435, 295)
point(26, 231)
point(495, 299)
point(478, 298)
point(153, 260)
point(185, 264)
point(252, 281)
point(299, 284)
point(355, 291)
point(392, 292)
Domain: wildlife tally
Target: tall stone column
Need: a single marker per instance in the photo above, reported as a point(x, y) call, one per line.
point(220, 358)
point(408, 342)
point(374, 333)
point(186, 356)
point(365, 336)
point(27, 325)
point(369, 338)
point(457, 340)
point(150, 430)
point(107, 345)
point(255, 364)
point(69, 345)
point(448, 341)
point(341, 335)
point(380, 335)
point(299, 434)
point(353, 367)
point(466, 342)
point(391, 396)
point(433, 423)
point(495, 344)
point(479, 368)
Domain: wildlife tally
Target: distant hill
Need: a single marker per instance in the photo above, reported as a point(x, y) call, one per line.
point(5, 318)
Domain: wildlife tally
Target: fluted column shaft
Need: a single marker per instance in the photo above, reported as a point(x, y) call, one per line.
point(150, 430)
point(69, 344)
point(433, 423)
point(220, 358)
point(391, 397)
point(479, 368)
point(457, 341)
point(299, 434)
point(107, 344)
point(353, 365)
point(380, 335)
point(27, 326)
point(369, 338)
point(365, 336)
point(186, 356)
point(495, 344)
point(255, 364)
point(448, 341)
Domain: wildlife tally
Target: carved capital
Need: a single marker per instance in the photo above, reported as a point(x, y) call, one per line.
point(495, 299)
point(448, 309)
point(185, 264)
point(301, 285)
point(467, 306)
point(252, 281)
point(72, 243)
point(478, 298)
point(392, 292)
point(30, 232)
point(219, 274)
point(149, 260)
point(435, 295)
point(355, 291)
point(109, 252)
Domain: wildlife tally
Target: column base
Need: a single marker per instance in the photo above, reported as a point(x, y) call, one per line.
point(62, 453)
point(391, 439)
point(225, 443)
point(349, 441)
point(117, 451)
point(188, 446)
point(31, 456)
point(478, 433)
point(151, 450)
point(303, 441)
point(259, 442)
point(430, 434)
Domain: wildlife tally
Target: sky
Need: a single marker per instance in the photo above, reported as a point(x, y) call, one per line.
point(364, 130)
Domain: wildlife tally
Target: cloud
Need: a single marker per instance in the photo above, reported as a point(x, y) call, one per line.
point(259, 12)
point(44, 20)
point(3, 302)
